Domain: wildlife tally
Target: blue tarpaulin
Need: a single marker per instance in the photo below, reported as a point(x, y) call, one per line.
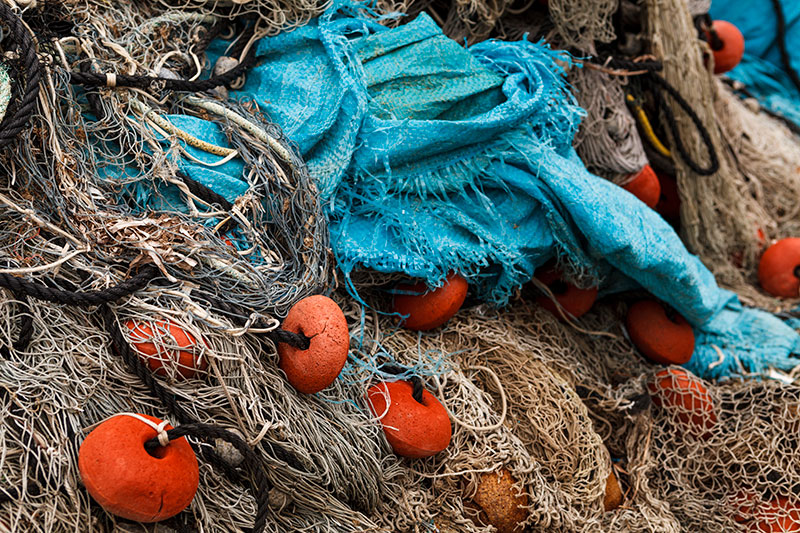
point(431, 158)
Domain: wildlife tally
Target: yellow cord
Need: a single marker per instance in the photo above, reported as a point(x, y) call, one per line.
point(641, 116)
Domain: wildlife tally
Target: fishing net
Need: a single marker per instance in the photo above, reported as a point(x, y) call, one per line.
point(607, 141)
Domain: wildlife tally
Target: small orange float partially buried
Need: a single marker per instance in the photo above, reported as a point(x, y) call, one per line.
point(645, 186)
point(164, 346)
point(663, 338)
point(779, 268)
point(576, 302)
point(314, 369)
point(129, 482)
point(682, 393)
point(428, 309)
point(413, 429)
point(728, 48)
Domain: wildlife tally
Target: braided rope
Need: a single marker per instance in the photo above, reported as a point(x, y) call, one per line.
point(13, 123)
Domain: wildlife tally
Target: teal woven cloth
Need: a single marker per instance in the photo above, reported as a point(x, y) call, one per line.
point(432, 158)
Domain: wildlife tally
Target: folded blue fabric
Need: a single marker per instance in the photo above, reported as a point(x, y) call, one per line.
point(433, 158)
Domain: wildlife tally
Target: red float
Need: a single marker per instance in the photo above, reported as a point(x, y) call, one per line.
point(732, 50)
point(168, 347)
point(576, 302)
point(425, 310)
point(413, 429)
point(679, 391)
point(321, 319)
point(669, 203)
point(779, 269)
point(645, 186)
point(661, 338)
point(778, 516)
point(129, 482)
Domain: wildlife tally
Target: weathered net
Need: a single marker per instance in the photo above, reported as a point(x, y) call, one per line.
point(607, 142)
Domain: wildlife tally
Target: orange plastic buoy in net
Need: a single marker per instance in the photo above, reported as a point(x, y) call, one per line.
point(168, 347)
point(501, 505)
point(779, 268)
point(780, 515)
point(645, 186)
point(613, 495)
point(575, 301)
point(661, 337)
point(321, 319)
point(729, 49)
point(669, 203)
point(425, 310)
point(413, 429)
point(742, 505)
point(129, 482)
point(680, 392)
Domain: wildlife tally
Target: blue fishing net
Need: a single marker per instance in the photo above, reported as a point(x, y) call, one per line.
point(432, 158)
point(761, 68)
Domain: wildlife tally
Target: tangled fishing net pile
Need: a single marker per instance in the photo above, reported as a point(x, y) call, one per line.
point(180, 176)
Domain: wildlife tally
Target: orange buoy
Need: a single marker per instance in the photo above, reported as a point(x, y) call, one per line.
point(502, 506)
point(575, 301)
point(312, 370)
point(779, 268)
point(428, 309)
point(664, 339)
point(645, 186)
point(677, 390)
point(669, 203)
point(129, 482)
point(613, 495)
point(743, 505)
point(780, 515)
point(732, 46)
point(413, 429)
point(168, 347)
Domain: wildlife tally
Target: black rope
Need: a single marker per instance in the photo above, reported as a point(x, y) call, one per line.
point(416, 382)
point(251, 463)
point(707, 32)
point(658, 85)
point(713, 165)
point(15, 121)
point(785, 58)
point(91, 79)
point(238, 316)
point(38, 291)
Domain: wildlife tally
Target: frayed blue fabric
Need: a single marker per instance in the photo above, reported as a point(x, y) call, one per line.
point(431, 158)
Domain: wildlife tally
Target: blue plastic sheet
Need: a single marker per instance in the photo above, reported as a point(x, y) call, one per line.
point(431, 158)
point(761, 69)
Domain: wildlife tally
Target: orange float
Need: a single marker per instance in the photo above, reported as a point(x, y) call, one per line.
point(731, 52)
point(664, 339)
point(169, 346)
point(413, 429)
point(501, 505)
point(669, 203)
point(129, 482)
point(645, 186)
point(428, 309)
point(676, 389)
point(778, 516)
point(314, 369)
point(779, 268)
point(613, 496)
point(575, 301)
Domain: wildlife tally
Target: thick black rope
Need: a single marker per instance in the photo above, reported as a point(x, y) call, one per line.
point(91, 79)
point(657, 86)
point(238, 314)
point(713, 165)
point(251, 463)
point(707, 32)
point(20, 286)
point(15, 121)
point(416, 382)
point(785, 58)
